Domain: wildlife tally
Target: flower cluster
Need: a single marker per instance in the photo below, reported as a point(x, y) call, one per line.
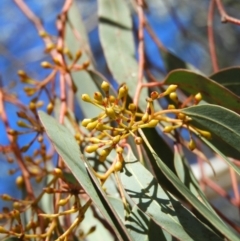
point(118, 120)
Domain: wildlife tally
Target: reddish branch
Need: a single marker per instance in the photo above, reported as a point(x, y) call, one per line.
point(211, 43)
point(15, 148)
point(224, 16)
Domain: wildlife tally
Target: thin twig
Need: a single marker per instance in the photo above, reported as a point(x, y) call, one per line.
point(211, 43)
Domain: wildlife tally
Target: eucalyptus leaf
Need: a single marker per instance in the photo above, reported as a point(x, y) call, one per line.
point(116, 37)
point(143, 228)
point(210, 216)
point(211, 91)
point(160, 205)
point(81, 79)
point(229, 78)
point(222, 123)
point(68, 149)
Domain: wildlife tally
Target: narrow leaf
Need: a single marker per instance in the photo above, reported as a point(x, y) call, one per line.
point(211, 217)
point(67, 148)
point(143, 228)
point(222, 123)
point(116, 36)
point(229, 78)
point(160, 205)
point(212, 92)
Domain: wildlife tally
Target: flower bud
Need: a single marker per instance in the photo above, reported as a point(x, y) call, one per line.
point(198, 97)
point(98, 96)
point(90, 126)
point(145, 117)
point(50, 108)
point(85, 122)
point(168, 129)
point(191, 145)
point(110, 112)
point(118, 166)
point(154, 95)
point(105, 86)
point(123, 90)
point(91, 148)
point(46, 65)
point(173, 96)
point(86, 97)
point(138, 140)
point(132, 107)
point(170, 89)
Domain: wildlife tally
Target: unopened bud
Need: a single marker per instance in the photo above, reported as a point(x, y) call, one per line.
point(19, 182)
point(173, 96)
point(170, 89)
point(168, 129)
point(98, 96)
point(50, 107)
point(138, 140)
point(191, 145)
point(154, 95)
point(105, 86)
point(122, 91)
point(118, 166)
point(91, 148)
point(132, 107)
point(92, 125)
point(86, 97)
point(46, 65)
point(85, 122)
point(110, 112)
point(145, 117)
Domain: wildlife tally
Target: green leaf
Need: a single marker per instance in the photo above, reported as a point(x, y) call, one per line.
point(229, 78)
point(160, 205)
point(210, 216)
point(105, 200)
point(222, 123)
point(68, 149)
point(116, 36)
point(82, 79)
point(212, 92)
point(185, 174)
point(143, 228)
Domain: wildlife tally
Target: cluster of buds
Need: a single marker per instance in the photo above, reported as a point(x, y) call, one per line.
point(117, 121)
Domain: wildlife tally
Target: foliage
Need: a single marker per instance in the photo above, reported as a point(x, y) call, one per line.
point(122, 172)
